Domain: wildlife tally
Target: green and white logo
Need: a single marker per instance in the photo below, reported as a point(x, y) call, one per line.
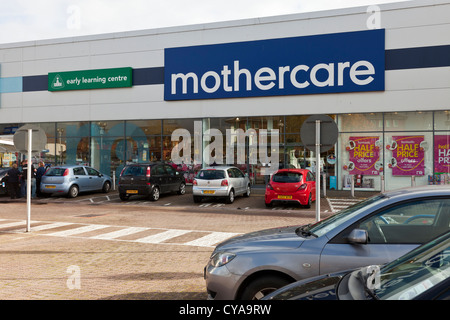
point(57, 83)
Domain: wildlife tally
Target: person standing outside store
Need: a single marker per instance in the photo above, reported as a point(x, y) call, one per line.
point(33, 178)
point(13, 181)
point(39, 173)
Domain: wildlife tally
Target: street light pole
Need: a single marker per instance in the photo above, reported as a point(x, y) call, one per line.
point(29, 165)
point(317, 170)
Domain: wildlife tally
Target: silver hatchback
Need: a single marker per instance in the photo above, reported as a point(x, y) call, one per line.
point(71, 180)
point(374, 231)
point(220, 181)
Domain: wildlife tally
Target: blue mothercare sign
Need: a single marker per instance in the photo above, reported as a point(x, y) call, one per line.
point(329, 63)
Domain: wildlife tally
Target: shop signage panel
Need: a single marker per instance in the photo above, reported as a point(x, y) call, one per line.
point(364, 156)
point(408, 155)
point(90, 79)
point(329, 63)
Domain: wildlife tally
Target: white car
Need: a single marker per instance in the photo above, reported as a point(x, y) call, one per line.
point(220, 181)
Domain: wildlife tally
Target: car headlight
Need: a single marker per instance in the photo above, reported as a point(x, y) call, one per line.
point(221, 258)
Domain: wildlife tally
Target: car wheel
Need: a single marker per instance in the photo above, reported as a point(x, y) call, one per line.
point(106, 187)
point(124, 196)
point(182, 189)
point(197, 199)
point(73, 191)
point(308, 205)
point(261, 287)
point(230, 198)
point(248, 191)
point(154, 196)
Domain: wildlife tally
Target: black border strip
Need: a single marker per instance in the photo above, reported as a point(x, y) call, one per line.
point(417, 58)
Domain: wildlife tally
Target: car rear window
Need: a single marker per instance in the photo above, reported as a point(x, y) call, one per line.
point(135, 171)
point(55, 172)
point(211, 174)
point(286, 177)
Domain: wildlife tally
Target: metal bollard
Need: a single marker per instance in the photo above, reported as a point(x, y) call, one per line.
point(352, 186)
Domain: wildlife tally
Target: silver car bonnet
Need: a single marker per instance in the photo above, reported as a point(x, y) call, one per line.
point(281, 238)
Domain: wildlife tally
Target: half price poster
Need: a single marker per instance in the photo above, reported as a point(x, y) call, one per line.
point(364, 156)
point(442, 154)
point(408, 155)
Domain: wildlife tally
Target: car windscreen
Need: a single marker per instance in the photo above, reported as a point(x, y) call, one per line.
point(415, 272)
point(323, 226)
point(211, 174)
point(287, 177)
point(55, 172)
point(134, 171)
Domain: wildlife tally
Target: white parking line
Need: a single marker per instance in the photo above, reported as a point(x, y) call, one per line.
point(119, 233)
point(72, 232)
point(163, 236)
point(50, 226)
point(210, 239)
point(12, 224)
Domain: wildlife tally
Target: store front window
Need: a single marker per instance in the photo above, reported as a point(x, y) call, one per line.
point(193, 128)
point(408, 148)
point(379, 150)
point(360, 151)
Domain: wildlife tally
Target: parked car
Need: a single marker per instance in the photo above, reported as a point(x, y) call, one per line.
point(220, 181)
point(150, 179)
point(374, 231)
point(3, 181)
point(422, 274)
point(292, 186)
point(71, 180)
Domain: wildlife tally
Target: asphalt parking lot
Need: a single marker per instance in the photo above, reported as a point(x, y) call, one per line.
point(97, 247)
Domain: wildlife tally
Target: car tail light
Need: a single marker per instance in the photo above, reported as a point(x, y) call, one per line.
point(194, 183)
point(302, 187)
point(148, 172)
point(269, 186)
point(66, 172)
point(224, 183)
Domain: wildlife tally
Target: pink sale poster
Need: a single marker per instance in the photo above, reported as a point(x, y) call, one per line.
point(442, 154)
point(364, 156)
point(408, 155)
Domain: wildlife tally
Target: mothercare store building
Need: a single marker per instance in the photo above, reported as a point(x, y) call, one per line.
point(381, 72)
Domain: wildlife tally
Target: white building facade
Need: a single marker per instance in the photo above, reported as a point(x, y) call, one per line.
point(381, 72)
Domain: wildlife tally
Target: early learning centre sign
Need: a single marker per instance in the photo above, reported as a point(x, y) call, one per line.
point(90, 79)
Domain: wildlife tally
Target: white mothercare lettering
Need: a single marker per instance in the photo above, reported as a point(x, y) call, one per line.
point(360, 73)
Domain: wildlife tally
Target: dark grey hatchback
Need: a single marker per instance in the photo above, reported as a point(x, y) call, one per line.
point(150, 179)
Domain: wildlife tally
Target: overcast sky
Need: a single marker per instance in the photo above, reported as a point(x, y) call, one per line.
point(23, 20)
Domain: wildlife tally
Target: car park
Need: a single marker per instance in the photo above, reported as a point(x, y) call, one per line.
point(71, 180)
point(291, 186)
point(374, 231)
point(422, 274)
point(150, 179)
point(220, 182)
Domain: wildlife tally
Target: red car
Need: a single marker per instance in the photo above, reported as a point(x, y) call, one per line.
point(291, 185)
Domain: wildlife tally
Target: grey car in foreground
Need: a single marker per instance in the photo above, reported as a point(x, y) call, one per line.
point(421, 274)
point(220, 182)
point(71, 180)
point(373, 232)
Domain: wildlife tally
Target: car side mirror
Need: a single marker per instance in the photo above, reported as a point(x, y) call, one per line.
point(358, 236)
